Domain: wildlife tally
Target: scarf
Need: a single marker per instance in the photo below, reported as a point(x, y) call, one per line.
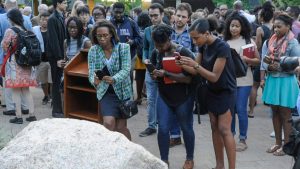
point(277, 47)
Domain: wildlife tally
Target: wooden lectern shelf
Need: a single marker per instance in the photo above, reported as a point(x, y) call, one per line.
point(80, 99)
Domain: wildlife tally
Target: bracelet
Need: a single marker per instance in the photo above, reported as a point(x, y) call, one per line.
point(197, 66)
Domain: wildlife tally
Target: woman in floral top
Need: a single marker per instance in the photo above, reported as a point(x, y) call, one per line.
point(18, 78)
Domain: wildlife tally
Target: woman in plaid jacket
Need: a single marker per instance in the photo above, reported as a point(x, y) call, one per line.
point(111, 60)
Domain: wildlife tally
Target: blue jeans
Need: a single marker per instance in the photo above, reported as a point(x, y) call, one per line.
point(242, 93)
point(152, 90)
point(175, 128)
point(184, 114)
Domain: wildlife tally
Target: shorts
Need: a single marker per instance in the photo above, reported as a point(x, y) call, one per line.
point(43, 73)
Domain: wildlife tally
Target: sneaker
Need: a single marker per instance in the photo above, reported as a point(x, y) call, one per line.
point(9, 112)
point(45, 100)
point(16, 120)
point(25, 111)
point(147, 132)
point(175, 141)
point(188, 164)
point(31, 118)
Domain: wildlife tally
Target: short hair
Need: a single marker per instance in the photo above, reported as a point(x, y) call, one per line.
point(45, 14)
point(82, 10)
point(203, 25)
point(101, 8)
point(119, 5)
point(55, 2)
point(27, 9)
point(245, 26)
point(111, 28)
point(185, 7)
point(161, 2)
point(41, 7)
point(286, 19)
point(161, 33)
point(295, 11)
point(137, 10)
point(157, 6)
point(144, 20)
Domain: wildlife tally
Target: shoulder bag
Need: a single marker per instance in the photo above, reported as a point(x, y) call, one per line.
point(129, 107)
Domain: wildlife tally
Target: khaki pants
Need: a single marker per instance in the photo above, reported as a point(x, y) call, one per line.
point(16, 96)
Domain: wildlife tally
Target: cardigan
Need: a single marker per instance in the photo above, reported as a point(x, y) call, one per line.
point(122, 82)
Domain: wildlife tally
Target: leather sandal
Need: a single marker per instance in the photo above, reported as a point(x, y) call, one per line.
point(273, 148)
point(279, 152)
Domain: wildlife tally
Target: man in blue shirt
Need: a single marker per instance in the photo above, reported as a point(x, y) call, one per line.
point(156, 13)
point(182, 37)
point(4, 25)
point(127, 29)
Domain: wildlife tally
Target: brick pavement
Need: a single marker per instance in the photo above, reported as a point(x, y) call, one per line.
point(253, 158)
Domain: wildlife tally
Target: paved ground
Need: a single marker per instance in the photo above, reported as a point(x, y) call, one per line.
point(254, 158)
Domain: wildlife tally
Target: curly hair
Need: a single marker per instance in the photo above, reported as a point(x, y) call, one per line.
point(144, 20)
point(161, 33)
point(111, 28)
point(267, 11)
point(286, 19)
point(245, 26)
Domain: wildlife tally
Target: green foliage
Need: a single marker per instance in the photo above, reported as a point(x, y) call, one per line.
point(277, 3)
point(129, 4)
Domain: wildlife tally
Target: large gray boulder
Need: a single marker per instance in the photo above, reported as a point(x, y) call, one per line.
point(74, 144)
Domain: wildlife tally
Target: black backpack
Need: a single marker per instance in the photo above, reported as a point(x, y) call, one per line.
point(28, 51)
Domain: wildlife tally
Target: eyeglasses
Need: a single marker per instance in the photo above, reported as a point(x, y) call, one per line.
point(153, 15)
point(97, 14)
point(102, 36)
point(224, 9)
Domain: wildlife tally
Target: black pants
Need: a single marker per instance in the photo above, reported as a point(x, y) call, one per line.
point(56, 74)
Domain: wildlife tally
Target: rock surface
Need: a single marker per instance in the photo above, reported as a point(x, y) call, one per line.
point(74, 144)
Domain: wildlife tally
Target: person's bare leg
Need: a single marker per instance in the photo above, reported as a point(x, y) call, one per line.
point(217, 142)
point(286, 115)
point(224, 126)
point(277, 124)
point(109, 122)
point(121, 126)
point(252, 98)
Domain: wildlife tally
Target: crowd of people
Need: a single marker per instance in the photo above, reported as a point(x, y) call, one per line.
point(201, 44)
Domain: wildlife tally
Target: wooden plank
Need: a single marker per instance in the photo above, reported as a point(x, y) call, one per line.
point(80, 88)
point(85, 115)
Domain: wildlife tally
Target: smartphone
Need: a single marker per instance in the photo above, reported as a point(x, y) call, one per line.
point(177, 56)
point(100, 74)
point(150, 67)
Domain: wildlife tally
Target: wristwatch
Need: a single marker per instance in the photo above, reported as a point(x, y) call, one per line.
point(197, 66)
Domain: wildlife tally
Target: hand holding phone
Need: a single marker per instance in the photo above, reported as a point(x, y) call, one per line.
point(177, 55)
point(150, 67)
point(100, 74)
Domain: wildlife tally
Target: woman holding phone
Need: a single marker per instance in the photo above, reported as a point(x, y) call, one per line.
point(175, 98)
point(214, 63)
point(112, 59)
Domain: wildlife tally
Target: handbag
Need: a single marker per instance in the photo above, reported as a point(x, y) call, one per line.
point(239, 65)
point(129, 107)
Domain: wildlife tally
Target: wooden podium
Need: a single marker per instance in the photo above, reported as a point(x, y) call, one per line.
point(80, 100)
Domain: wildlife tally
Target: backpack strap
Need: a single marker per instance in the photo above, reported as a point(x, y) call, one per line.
point(11, 50)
